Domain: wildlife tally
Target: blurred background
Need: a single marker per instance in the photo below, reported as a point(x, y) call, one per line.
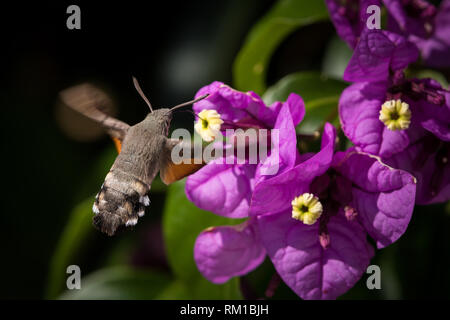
point(54, 160)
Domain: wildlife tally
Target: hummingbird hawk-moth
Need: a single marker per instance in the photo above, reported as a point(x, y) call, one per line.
point(144, 150)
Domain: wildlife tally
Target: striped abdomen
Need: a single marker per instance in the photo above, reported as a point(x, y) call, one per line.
point(121, 201)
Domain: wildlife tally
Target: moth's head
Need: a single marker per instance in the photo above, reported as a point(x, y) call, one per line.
point(161, 114)
point(160, 119)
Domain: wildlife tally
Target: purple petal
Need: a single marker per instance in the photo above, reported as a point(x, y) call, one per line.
point(405, 51)
point(228, 251)
point(359, 110)
point(224, 189)
point(268, 115)
point(378, 52)
point(343, 25)
point(436, 118)
point(382, 196)
point(426, 164)
point(408, 21)
point(347, 20)
point(275, 194)
point(371, 58)
point(309, 270)
point(436, 49)
point(397, 12)
point(296, 107)
point(438, 128)
point(234, 105)
point(283, 153)
point(216, 101)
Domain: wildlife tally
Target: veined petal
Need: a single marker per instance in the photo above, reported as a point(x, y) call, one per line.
point(311, 271)
point(224, 189)
point(234, 105)
point(275, 194)
point(228, 251)
point(351, 19)
point(359, 111)
point(382, 196)
point(296, 108)
point(433, 176)
point(371, 58)
point(283, 153)
point(222, 104)
point(378, 52)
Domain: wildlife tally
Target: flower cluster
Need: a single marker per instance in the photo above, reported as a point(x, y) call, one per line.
point(313, 217)
point(418, 21)
point(406, 122)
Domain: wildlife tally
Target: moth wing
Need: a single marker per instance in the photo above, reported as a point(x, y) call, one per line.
point(91, 101)
point(170, 171)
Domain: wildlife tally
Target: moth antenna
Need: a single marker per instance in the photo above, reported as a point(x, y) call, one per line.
point(141, 93)
point(190, 102)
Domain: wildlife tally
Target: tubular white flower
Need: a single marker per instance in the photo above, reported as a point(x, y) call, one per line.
point(208, 124)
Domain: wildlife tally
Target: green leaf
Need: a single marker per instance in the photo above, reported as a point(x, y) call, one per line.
point(73, 236)
point(201, 289)
point(321, 96)
point(337, 56)
point(182, 223)
point(79, 224)
point(120, 283)
point(250, 66)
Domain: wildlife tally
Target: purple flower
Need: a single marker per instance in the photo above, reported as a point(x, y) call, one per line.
point(225, 189)
point(424, 25)
point(312, 221)
point(349, 18)
point(415, 17)
point(417, 20)
point(358, 194)
point(385, 114)
point(395, 118)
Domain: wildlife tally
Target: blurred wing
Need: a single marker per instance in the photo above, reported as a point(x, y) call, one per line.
point(171, 172)
point(91, 101)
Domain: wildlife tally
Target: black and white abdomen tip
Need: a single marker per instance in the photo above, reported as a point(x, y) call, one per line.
point(113, 209)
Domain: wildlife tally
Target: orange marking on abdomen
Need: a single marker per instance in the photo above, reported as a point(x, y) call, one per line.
point(118, 144)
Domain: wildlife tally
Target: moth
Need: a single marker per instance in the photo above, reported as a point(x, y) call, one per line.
point(144, 150)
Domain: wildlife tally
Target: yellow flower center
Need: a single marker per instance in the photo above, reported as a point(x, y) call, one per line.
point(204, 124)
point(306, 208)
point(395, 114)
point(208, 124)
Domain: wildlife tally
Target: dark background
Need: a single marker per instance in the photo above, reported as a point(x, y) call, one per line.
point(173, 48)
